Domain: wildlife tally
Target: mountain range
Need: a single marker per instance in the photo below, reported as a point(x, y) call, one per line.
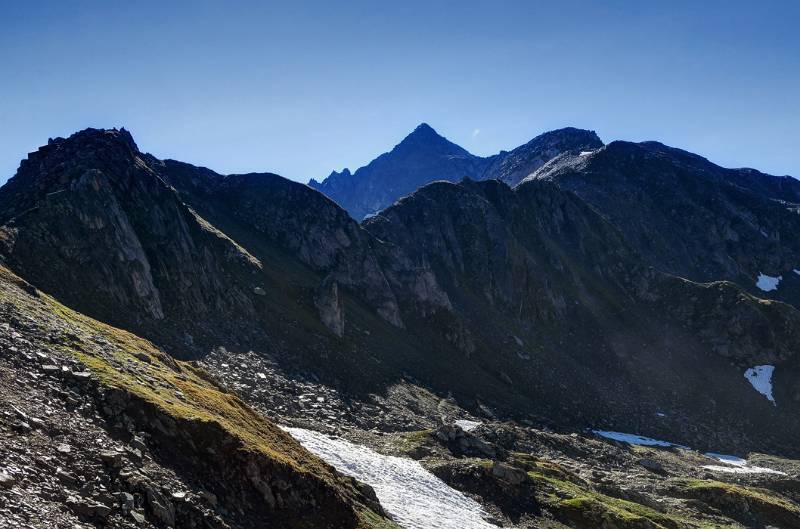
point(565, 285)
point(424, 156)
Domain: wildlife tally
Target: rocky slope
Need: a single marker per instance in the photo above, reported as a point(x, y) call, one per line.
point(531, 281)
point(689, 217)
point(100, 427)
point(424, 156)
point(293, 219)
point(524, 476)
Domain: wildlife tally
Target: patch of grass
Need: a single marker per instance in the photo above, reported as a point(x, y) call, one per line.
point(368, 519)
point(406, 442)
point(137, 366)
point(751, 493)
point(575, 500)
point(743, 501)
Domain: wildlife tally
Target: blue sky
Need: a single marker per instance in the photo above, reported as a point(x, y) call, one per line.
point(301, 89)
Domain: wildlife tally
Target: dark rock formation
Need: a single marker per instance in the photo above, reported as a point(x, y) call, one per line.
point(88, 219)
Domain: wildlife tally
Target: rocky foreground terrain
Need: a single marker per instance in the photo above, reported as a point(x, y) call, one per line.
point(100, 428)
point(162, 326)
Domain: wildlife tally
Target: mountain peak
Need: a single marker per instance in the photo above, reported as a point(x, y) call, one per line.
point(514, 166)
point(582, 137)
point(92, 136)
point(423, 133)
point(426, 138)
point(424, 128)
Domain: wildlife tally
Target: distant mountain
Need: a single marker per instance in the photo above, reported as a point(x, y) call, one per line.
point(424, 156)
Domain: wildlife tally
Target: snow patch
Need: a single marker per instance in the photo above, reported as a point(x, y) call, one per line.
point(737, 465)
point(733, 464)
point(414, 497)
point(768, 283)
point(467, 425)
point(731, 460)
point(760, 377)
point(743, 470)
point(634, 439)
point(586, 153)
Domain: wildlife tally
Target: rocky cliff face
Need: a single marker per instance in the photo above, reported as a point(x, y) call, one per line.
point(689, 217)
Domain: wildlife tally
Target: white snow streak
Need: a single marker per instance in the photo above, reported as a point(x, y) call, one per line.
point(466, 425)
point(768, 283)
point(760, 377)
point(737, 465)
point(634, 439)
point(414, 497)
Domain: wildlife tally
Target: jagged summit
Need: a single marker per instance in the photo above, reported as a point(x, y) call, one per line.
point(90, 134)
point(424, 128)
point(45, 171)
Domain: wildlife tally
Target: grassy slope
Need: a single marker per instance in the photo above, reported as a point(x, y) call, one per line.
point(182, 391)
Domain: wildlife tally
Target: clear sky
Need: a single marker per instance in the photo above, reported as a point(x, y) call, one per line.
point(301, 89)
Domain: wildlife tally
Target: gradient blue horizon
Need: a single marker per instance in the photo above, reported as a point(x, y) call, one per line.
point(301, 89)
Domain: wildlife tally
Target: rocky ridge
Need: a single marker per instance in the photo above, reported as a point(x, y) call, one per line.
point(688, 216)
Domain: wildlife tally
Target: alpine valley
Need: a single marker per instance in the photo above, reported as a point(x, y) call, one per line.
point(566, 334)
